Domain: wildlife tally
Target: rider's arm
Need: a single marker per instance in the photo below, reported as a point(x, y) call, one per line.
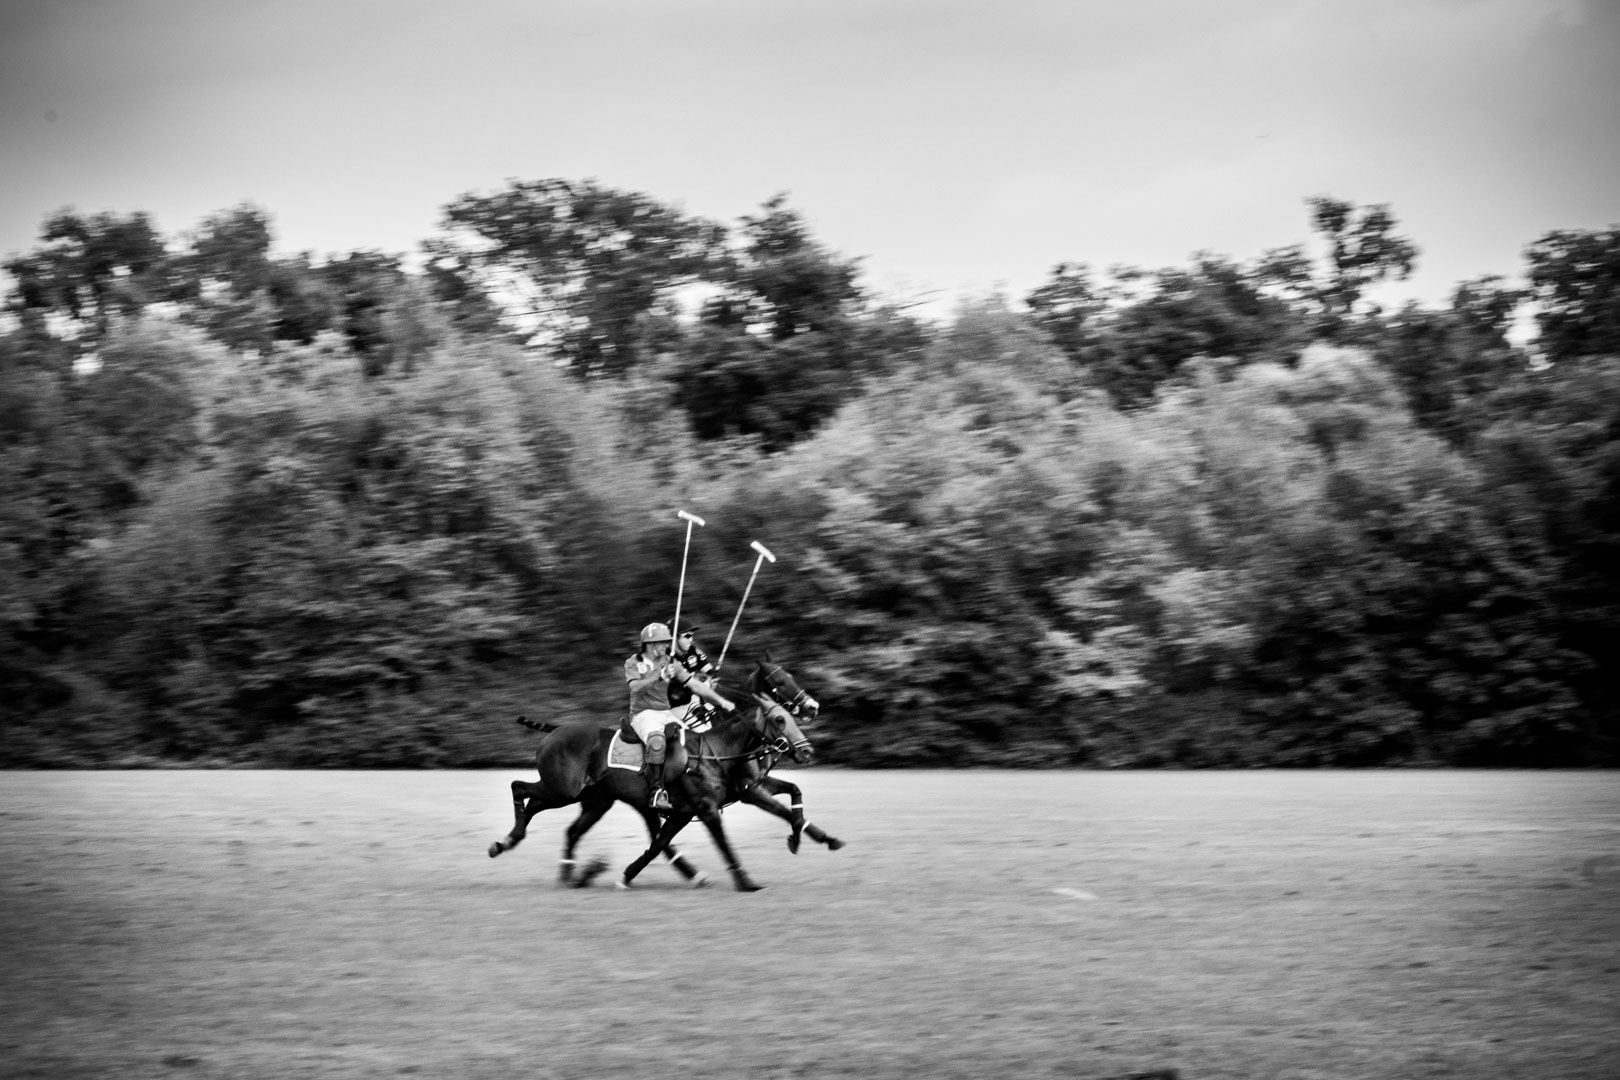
point(707, 693)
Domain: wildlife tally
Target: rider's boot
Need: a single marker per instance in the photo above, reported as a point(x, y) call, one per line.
point(653, 770)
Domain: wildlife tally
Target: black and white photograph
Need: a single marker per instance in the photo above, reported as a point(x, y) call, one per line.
point(809, 539)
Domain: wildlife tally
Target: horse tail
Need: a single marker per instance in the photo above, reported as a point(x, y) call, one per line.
point(533, 726)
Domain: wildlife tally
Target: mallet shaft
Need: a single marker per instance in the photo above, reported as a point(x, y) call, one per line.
point(764, 553)
point(691, 519)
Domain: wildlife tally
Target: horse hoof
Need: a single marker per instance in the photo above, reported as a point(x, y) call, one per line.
point(592, 871)
point(702, 881)
point(496, 848)
point(833, 843)
point(624, 885)
point(793, 844)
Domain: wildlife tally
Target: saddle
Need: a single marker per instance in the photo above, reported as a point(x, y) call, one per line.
point(625, 751)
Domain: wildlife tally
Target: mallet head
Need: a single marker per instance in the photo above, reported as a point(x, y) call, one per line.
point(762, 549)
point(690, 517)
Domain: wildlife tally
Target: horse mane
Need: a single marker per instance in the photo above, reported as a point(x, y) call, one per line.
point(741, 693)
point(745, 687)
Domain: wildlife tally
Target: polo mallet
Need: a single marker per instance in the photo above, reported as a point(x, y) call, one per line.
point(764, 553)
point(691, 519)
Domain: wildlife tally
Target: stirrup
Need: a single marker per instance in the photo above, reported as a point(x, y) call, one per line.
point(659, 800)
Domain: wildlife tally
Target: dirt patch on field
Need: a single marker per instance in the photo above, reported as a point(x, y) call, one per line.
point(1291, 925)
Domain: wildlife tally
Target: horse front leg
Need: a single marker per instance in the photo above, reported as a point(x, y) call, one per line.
point(680, 862)
point(753, 796)
point(778, 786)
point(739, 876)
point(672, 825)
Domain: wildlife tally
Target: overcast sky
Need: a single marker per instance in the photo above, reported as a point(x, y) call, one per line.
point(956, 147)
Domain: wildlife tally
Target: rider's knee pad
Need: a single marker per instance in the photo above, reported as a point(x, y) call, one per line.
point(655, 745)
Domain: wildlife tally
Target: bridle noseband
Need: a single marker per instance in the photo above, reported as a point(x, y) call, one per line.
point(799, 703)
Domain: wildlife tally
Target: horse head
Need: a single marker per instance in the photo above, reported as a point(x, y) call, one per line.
point(785, 707)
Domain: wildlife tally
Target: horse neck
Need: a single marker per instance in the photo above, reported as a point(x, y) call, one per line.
point(738, 733)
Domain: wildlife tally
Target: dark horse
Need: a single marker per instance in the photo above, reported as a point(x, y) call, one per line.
point(722, 765)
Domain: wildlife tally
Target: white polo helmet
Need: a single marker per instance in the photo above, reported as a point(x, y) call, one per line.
point(654, 631)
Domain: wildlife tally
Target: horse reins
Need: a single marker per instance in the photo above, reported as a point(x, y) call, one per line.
point(777, 746)
point(797, 703)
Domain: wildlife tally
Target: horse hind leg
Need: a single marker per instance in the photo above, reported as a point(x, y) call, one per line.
point(590, 813)
point(522, 791)
point(528, 799)
point(760, 795)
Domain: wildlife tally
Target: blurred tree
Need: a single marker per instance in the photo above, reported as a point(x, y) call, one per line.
point(78, 450)
point(1449, 362)
point(1214, 309)
point(249, 300)
point(302, 301)
point(454, 281)
point(1394, 617)
point(600, 264)
point(362, 546)
point(1552, 458)
point(231, 251)
point(1130, 345)
point(379, 309)
point(90, 269)
point(786, 341)
point(1068, 307)
point(44, 506)
point(347, 535)
point(787, 284)
point(1575, 281)
point(1362, 250)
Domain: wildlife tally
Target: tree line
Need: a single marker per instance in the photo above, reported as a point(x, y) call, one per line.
point(359, 509)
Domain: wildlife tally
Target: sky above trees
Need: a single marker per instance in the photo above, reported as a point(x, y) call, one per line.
point(954, 146)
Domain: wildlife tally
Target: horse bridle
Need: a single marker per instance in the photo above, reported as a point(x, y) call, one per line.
point(798, 702)
point(766, 748)
point(778, 746)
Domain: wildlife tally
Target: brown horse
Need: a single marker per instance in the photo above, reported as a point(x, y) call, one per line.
point(721, 765)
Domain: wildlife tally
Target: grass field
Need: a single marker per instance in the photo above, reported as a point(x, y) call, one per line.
point(239, 924)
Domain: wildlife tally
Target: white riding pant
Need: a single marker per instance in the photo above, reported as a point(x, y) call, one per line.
point(648, 721)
